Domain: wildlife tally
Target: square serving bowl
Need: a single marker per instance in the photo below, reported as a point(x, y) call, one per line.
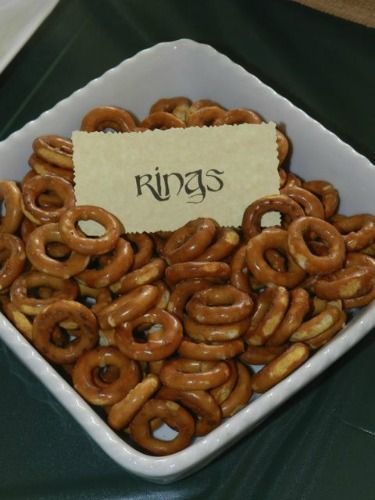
point(185, 67)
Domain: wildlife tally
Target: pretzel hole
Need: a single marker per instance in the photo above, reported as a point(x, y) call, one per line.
point(106, 374)
point(91, 229)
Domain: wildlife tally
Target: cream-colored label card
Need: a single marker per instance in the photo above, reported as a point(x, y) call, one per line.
point(159, 180)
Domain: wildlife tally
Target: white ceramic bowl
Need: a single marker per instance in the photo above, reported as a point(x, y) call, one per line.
point(188, 68)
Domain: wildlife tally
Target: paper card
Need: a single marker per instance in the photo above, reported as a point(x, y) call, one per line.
point(161, 179)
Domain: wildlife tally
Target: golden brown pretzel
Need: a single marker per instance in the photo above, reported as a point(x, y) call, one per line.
point(11, 197)
point(108, 117)
point(162, 120)
point(261, 269)
point(189, 241)
point(271, 307)
point(43, 167)
point(205, 116)
point(304, 257)
point(37, 253)
point(358, 230)
point(18, 318)
point(310, 203)
point(196, 269)
point(47, 321)
point(144, 249)
point(239, 272)
point(54, 149)
point(89, 375)
point(179, 106)
point(210, 352)
point(317, 324)
point(219, 304)
point(151, 350)
point(122, 413)
point(236, 116)
point(39, 184)
point(118, 264)
point(12, 259)
point(81, 243)
point(222, 391)
point(251, 221)
point(33, 280)
point(173, 415)
point(224, 244)
point(129, 306)
point(200, 403)
point(189, 374)
point(280, 367)
point(327, 194)
point(182, 292)
point(261, 354)
point(240, 394)
point(215, 333)
point(145, 275)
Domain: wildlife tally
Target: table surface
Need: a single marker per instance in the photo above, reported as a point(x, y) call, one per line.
point(320, 445)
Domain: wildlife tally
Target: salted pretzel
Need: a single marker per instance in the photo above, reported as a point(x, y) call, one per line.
point(215, 333)
point(80, 242)
point(13, 259)
point(326, 193)
point(108, 117)
point(190, 241)
point(298, 248)
point(162, 120)
point(202, 405)
point(36, 186)
point(196, 269)
point(89, 375)
point(147, 274)
point(85, 335)
point(54, 149)
point(37, 248)
point(43, 167)
point(171, 413)
point(205, 116)
point(210, 352)
point(358, 230)
point(11, 197)
point(240, 394)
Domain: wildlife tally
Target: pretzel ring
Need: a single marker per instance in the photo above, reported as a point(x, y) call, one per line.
point(358, 231)
point(101, 296)
point(359, 259)
point(189, 241)
point(144, 249)
point(54, 149)
point(173, 415)
point(18, 318)
point(309, 202)
point(89, 376)
point(174, 105)
point(78, 241)
point(11, 196)
point(288, 179)
point(258, 265)
point(85, 335)
point(61, 289)
point(118, 265)
point(196, 269)
point(280, 367)
point(222, 391)
point(204, 103)
point(211, 352)
point(129, 306)
point(162, 120)
point(36, 251)
point(123, 412)
point(145, 275)
point(205, 117)
point(108, 117)
point(240, 394)
point(215, 333)
point(316, 325)
point(319, 340)
point(201, 403)
point(226, 241)
point(219, 304)
point(192, 375)
point(182, 292)
point(301, 253)
point(42, 167)
point(299, 306)
point(39, 184)
point(327, 194)
point(347, 283)
point(12, 260)
point(239, 272)
point(273, 303)
point(282, 146)
point(261, 354)
point(237, 116)
point(251, 221)
point(151, 350)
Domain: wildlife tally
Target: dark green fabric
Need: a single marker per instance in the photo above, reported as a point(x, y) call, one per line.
point(321, 444)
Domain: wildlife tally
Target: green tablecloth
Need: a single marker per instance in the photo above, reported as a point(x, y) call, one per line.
point(320, 445)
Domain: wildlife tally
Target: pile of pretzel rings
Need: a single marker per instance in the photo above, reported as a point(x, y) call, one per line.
point(165, 327)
